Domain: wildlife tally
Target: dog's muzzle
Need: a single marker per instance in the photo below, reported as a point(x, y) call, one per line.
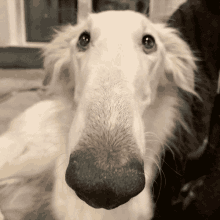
point(105, 183)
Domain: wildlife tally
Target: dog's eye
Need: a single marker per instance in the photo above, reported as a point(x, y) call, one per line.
point(84, 40)
point(149, 44)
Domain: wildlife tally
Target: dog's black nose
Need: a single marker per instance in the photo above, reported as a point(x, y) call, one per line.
point(105, 183)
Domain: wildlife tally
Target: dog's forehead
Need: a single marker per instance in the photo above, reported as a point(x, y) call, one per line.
point(119, 22)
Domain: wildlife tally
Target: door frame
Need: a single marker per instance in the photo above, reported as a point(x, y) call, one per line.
point(14, 26)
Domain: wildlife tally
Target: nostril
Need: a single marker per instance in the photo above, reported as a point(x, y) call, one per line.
point(103, 186)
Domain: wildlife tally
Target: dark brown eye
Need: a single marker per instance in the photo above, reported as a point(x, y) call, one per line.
point(149, 44)
point(84, 40)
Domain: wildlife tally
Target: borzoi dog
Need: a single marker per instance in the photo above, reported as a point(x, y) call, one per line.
point(94, 151)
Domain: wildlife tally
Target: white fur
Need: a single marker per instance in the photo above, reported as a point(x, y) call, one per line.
point(114, 67)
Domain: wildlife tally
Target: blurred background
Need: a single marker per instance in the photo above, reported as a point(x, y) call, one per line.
point(26, 26)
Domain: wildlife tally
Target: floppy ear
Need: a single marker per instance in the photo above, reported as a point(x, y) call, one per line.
point(179, 61)
point(180, 69)
point(59, 60)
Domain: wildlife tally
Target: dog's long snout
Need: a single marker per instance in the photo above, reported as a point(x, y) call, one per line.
point(105, 183)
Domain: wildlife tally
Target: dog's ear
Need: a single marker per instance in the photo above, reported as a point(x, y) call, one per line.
point(58, 60)
point(179, 61)
point(181, 71)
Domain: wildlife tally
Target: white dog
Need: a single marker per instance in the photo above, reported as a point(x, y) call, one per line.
point(99, 144)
